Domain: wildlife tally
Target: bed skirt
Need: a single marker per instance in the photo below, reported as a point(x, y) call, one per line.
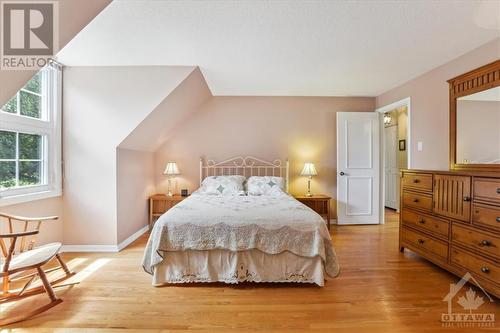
point(234, 267)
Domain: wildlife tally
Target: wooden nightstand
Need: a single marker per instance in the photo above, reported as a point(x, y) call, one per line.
point(160, 203)
point(319, 203)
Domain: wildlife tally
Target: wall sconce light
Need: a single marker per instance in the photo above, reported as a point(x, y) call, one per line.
point(387, 119)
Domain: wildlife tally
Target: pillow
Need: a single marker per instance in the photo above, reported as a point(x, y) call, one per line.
point(265, 185)
point(222, 185)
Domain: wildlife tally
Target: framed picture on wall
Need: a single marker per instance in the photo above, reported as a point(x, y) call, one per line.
point(402, 145)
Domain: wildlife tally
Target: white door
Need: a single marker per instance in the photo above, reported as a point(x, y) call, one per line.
point(358, 168)
point(391, 172)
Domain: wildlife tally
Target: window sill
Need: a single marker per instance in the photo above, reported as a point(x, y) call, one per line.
point(27, 197)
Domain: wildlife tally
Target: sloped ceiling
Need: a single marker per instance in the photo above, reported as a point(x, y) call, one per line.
point(177, 106)
point(298, 48)
point(73, 16)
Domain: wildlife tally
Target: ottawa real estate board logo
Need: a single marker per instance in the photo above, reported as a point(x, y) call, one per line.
point(470, 301)
point(29, 34)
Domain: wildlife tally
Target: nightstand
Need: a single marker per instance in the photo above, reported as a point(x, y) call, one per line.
point(160, 203)
point(319, 203)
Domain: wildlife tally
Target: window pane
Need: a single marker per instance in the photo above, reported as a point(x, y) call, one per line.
point(35, 83)
point(7, 145)
point(7, 174)
point(30, 146)
point(11, 106)
point(30, 104)
point(29, 173)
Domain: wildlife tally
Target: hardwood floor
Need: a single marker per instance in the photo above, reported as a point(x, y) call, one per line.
point(379, 290)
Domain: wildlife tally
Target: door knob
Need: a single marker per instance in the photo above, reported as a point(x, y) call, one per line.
point(485, 269)
point(342, 173)
point(466, 199)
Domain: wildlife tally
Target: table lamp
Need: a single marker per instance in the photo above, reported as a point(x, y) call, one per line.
point(309, 170)
point(171, 170)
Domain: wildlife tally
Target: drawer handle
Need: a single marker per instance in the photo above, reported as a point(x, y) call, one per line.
point(498, 190)
point(466, 199)
point(421, 241)
point(415, 200)
point(485, 269)
point(485, 242)
point(416, 181)
point(422, 221)
point(498, 219)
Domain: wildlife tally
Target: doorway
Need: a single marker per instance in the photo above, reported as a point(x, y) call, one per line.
point(396, 145)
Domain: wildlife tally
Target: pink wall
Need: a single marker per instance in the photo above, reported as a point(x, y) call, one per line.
point(430, 106)
point(298, 128)
point(135, 182)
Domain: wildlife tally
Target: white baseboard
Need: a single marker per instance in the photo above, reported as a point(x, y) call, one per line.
point(89, 248)
point(105, 248)
point(132, 238)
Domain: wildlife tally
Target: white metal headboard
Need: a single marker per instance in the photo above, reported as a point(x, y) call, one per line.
point(245, 166)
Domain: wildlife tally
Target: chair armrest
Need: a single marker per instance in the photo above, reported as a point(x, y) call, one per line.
point(19, 234)
point(23, 218)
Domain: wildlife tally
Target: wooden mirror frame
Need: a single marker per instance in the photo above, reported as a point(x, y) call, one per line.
point(479, 79)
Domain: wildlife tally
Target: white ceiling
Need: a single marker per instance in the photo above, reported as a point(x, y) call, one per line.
point(303, 48)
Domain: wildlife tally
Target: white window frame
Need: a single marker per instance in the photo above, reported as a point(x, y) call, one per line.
point(49, 127)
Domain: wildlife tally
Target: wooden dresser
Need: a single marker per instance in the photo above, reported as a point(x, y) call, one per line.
point(452, 218)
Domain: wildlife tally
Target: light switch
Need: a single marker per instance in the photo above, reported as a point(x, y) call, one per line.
point(420, 146)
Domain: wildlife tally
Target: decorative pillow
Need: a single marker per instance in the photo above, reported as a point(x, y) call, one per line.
point(265, 185)
point(222, 185)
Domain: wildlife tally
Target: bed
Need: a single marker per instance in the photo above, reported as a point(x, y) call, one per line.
point(240, 238)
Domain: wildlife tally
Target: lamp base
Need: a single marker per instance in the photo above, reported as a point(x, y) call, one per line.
point(308, 193)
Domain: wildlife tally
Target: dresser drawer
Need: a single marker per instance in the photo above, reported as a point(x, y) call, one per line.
point(427, 243)
point(417, 200)
point(419, 181)
point(475, 264)
point(487, 189)
point(425, 222)
point(479, 241)
point(485, 215)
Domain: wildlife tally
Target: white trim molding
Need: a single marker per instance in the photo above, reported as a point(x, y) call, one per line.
point(89, 248)
point(133, 237)
point(106, 248)
point(403, 102)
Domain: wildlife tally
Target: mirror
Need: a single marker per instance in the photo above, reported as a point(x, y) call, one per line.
point(475, 119)
point(478, 128)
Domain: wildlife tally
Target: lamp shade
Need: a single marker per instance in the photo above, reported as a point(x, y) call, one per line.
point(309, 170)
point(171, 169)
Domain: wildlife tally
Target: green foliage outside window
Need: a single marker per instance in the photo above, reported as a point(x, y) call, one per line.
point(28, 98)
point(21, 154)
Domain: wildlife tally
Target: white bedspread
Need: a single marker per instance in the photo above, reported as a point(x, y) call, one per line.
point(271, 224)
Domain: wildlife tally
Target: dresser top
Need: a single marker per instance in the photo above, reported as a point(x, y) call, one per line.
point(491, 174)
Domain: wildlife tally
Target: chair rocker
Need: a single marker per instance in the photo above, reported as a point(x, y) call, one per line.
point(22, 261)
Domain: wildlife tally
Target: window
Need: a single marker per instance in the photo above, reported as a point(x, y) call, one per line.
point(30, 140)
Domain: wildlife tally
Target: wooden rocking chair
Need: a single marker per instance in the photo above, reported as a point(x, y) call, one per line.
point(24, 262)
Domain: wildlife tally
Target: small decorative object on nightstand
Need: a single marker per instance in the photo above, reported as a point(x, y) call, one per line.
point(160, 203)
point(319, 203)
point(309, 170)
point(171, 170)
